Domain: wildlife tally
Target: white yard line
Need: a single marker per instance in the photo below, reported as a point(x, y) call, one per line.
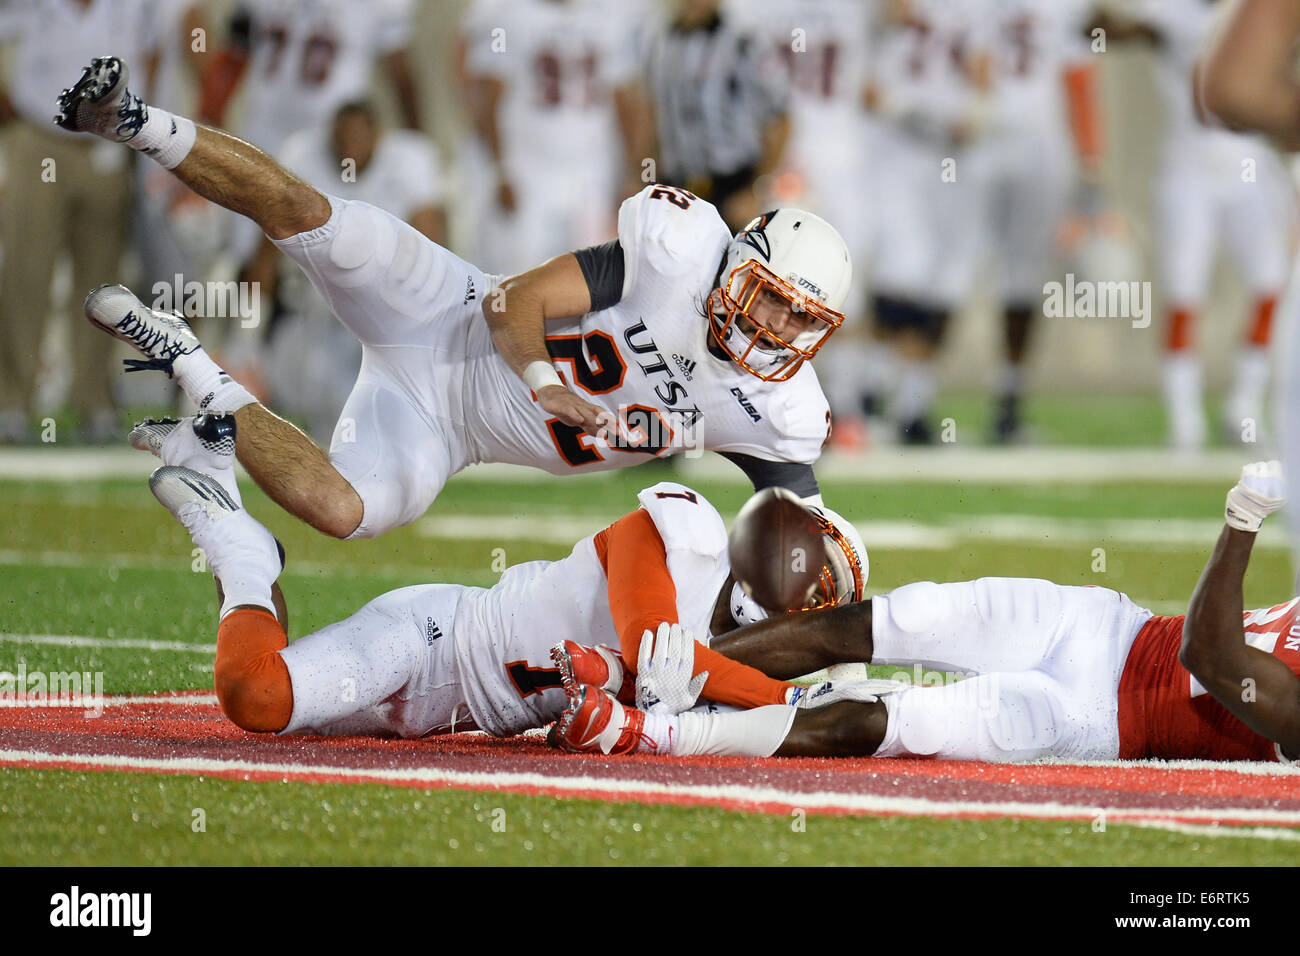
point(949, 463)
point(78, 640)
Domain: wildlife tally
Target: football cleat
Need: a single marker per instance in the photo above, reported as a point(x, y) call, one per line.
point(160, 337)
point(219, 526)
point(100, 103)
point(599, 666)
point(205, 443)
point(595, 723)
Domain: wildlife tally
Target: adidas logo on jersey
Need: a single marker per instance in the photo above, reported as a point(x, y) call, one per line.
point(431, 631)
point(685, 366)
point(470, 292)
point(747, 405)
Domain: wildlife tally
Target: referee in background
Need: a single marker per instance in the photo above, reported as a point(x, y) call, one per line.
point(720, 108)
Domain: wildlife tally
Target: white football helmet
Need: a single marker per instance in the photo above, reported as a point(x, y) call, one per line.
point(788, 259)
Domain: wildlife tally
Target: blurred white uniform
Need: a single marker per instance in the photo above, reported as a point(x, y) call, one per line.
point(929, 189)
point(313, 359)
point(434, 395)
point(826, 47)
point(560, 64)
point(1027, 154)
point(439, 657)
point(308, 58)
point(1212, 185)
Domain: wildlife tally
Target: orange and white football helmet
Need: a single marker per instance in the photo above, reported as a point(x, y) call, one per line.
point(783, 286)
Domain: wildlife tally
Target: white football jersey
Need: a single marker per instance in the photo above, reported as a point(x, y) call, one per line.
point(560, 64)
point(309, 57)
point(1035, 43)
point(503, 636)
point(647, 360)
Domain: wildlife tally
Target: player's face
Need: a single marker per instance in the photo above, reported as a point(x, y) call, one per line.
point(775, 313)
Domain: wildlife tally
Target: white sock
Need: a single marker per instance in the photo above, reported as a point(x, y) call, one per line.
point(242, 556)
point(745, 733)
point(208, 385)
point(1184, 399)
point(183, 448)
point(1247, 398)
point(165, 137)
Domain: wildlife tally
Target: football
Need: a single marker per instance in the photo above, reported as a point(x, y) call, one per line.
point(776, 550)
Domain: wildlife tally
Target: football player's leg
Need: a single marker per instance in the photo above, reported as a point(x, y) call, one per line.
point(993, 624)
point(392, 457)
point(998, 717)
point(382, 670)
point(386, 282)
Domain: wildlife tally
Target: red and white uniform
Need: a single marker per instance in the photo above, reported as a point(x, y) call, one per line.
point(438, 657)
point(1165, 712)
point(434, 395)
point(1078, 673)
point(560, 64)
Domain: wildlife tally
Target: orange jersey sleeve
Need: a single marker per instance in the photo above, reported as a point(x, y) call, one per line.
point(642, 596)
point(1085, 114)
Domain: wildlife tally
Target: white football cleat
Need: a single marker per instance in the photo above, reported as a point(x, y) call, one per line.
point(160, 337)
point(225, 533)
point(205, 443)
point(100, 103)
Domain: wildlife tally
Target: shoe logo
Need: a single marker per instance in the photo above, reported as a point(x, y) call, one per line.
point(470, 292)
point(431, 632)
point(747, 405)
point(685, 366)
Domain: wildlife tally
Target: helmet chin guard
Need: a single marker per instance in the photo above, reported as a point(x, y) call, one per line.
point(786, 263)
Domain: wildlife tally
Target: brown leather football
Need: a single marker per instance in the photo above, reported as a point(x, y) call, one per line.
point(776, 550)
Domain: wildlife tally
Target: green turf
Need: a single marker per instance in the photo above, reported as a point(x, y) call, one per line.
point(89, 819)
point(102, 559)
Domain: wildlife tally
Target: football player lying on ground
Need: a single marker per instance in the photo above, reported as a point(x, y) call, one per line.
point(677, 334)
point(1079, 673)
point(436, 658)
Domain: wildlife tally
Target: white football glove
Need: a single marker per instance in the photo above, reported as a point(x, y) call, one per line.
point(1260, 492)
point(829, 692)
point(664, 684)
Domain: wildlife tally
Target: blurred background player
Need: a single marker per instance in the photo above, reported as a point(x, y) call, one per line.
point(721, 107)
point(66, 195)
point(1212, 187)
point(1044, 97)
point(560, 121)
point(312, 359)
point(933, 81)
point(825, 48)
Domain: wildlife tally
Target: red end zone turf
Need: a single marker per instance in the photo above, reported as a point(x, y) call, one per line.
point(185, 733)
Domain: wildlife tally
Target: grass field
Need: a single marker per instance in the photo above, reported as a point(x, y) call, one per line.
point(95, 576)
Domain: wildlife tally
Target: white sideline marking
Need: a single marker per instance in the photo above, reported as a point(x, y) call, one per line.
point(1211, 830)
point(187, 700)
point(1074, 465)
point(849, 802)
point(78, 640)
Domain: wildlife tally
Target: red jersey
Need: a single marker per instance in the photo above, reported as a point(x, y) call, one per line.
point(1165, 712)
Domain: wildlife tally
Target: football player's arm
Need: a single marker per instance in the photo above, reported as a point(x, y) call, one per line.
point(431, 222)
point(222, 77)
point(642, 596)
point(397, 64)
point(492, 91)
point(786, 646)
point(1256, 687)
point(517, 313)
point(1247, 77)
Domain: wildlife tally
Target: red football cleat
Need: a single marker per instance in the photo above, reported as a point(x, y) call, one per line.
point(594, 722)
point(599, 666)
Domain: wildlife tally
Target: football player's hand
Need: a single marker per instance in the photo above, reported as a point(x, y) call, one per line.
point(663, 675)
point(506, 196)
point(1260, 492)
point(572, 409)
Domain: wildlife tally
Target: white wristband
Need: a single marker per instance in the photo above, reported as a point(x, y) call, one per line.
point(540, 374)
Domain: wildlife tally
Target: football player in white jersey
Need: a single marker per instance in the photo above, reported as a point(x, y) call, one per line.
point(1213, 186)
point(561, 106)
point(674, 334)
point(826, 47)
point(437, 658)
